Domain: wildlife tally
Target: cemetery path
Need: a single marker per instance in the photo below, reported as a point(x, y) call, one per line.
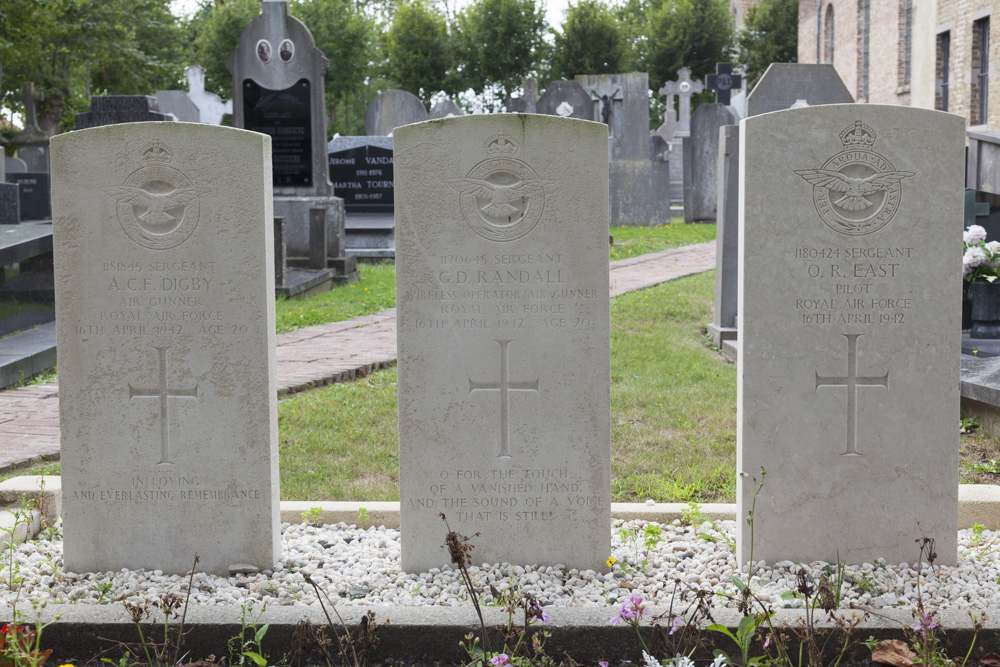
point(313, 356)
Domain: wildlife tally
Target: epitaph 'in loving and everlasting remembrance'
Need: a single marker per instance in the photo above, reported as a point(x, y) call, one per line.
point(503, 330)
point(165, 311)
point(848, 374)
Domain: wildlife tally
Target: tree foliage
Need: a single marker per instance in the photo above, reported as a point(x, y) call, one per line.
point(686, 33)
point(498, 43)
point(73, 48)
point(418, 53)
point(592, 41)
point(771, 35)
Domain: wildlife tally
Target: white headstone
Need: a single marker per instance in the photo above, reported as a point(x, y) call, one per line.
point(848, 372)
point(165, 308)
point(504, 372)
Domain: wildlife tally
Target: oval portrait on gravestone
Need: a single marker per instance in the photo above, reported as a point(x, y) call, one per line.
point(264, 51)
point(158, 206)
point(286, 51)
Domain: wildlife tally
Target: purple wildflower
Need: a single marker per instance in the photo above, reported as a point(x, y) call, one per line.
point(677, 625)
point(500, 660)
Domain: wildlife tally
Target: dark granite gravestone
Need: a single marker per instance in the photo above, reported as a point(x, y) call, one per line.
point(285, 116)
point(785, 84)
point(701, 157)
point(361, 173)
point(35, 194)
point(115, 109)
point(10, 204)
point(278, 89)
point(361, 169)
point(723, 82)
point(391, 109)
point(567, 99)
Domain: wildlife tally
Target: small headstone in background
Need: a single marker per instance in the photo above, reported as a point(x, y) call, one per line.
point(503, 334)
point(391, 109)
point(672, 149)
point(165, 330)
point(848, 372)
point(35, 194)
point(445, 109)
point(15, 165)
point(178, 104)
point(529, 98)
point(115, 109)
point(567, 99)
point(32, 143)
point(701, 160)
point(194, 105)
point(625, 98)
point(683, 88)
point(786, 84)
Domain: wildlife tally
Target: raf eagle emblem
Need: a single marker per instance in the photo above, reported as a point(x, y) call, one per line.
point(854, 189)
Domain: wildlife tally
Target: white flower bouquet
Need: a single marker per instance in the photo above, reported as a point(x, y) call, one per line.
point(981, 260)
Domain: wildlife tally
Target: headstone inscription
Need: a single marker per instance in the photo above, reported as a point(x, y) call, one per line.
point(115, 109)
point(701, 161)
point(567, 99)
point(165, 330)
point(502, 277)
point(391, 109)
point(784, 85)
point(278, 90)
point(845, 211)
point(723, 82)
point(361, 173)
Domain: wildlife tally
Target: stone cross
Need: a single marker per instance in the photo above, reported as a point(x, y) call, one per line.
point(723, 82)
point(164, 394)
point(852, 381)
point(29, 97)
point(606, 98)
point(503, 386)
point(684, 88)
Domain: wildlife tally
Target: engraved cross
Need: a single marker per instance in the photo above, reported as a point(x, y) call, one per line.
point(723, 82)
point(503, 386)
point(163, 393)
point(684, 88)
point(852, 381)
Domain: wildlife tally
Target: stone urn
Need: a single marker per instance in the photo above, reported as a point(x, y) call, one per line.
point(985, 309)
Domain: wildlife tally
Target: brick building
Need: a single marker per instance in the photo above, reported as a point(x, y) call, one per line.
point(884, 50)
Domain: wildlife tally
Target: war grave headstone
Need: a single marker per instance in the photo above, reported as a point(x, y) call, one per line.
point(445, 109)
point(701, 158)
point(115, 109)
point(361, 171)
point(683, 88)
point(727, 249)
point(165, 327)
point(503, 338)
point(845, 210)
point(278, 90)
point(784, 84)
point(567, 99)
point(391, 109)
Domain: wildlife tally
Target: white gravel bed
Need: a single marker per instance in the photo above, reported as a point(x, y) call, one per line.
point(361, 567)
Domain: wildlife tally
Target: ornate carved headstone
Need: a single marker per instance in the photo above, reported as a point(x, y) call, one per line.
point(165, 328)
point(503, 331)
point(278, 90)
point(849, 359)
point(622, 102)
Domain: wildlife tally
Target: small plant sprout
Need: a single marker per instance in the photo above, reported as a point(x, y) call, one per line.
point(312, 515)
point(363, 517)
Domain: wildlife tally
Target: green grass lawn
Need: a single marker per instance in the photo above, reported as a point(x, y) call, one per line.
point(673, 409)
point(632, 241)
